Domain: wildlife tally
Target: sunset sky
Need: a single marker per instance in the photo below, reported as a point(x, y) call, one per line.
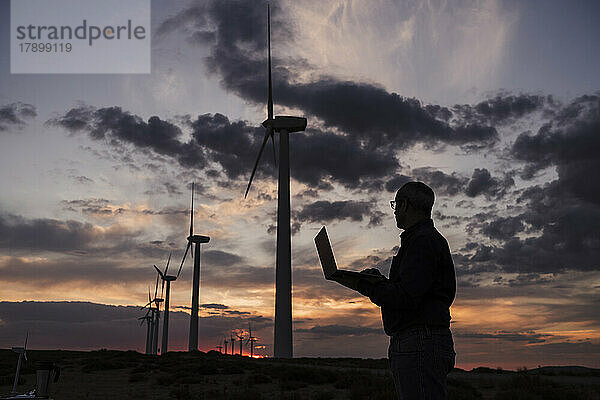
point(494, 104)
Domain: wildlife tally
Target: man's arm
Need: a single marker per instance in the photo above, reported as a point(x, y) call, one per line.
point(417, 276)
point(352, 281)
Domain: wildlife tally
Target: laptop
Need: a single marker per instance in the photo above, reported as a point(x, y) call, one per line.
point(330, 270)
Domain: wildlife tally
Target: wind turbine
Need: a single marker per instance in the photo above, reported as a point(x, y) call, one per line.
point(284, 125)
point(149, 318)
point(22, 352)
point(197, 240)
point(168, 279)
point(251, 340)
point(240, 339)
point(220, 347)
point(232, 341)
point(156, 321)
point(225, 341)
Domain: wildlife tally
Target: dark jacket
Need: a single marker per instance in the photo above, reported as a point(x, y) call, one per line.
point(422, 283)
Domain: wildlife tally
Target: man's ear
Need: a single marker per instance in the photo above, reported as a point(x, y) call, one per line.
point(405, 205)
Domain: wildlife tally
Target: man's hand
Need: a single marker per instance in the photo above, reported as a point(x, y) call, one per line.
point(372, 271)
point(365, 286)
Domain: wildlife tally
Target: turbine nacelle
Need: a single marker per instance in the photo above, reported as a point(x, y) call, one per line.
point(198, 239)
point(287, 123)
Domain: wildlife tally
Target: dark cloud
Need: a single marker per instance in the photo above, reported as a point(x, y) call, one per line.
point(570, 141)
point(482, 182)
point(528, 337)
point(315, 156)
point(501, 109)
point(17, 232)
point(339, 330)
point(14, 115)
point(21, 236)
point(324, 211)
point(220, 258)
point(70, 271)
point(118, 128)
point(396, 183)
point(570, 136)
point(215, 306)
point(440, 182)
point(556, 229)
point(503, 227)
point(235, 33)
point(562, 234)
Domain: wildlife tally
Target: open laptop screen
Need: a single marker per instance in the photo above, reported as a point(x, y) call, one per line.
point(325, 253)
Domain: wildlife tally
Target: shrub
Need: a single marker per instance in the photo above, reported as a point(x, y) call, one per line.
point(462, 390)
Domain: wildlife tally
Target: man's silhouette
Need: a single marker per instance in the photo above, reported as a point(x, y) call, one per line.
point(415, 300)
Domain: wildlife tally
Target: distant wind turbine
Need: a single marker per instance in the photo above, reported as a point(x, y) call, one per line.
point(198, 240)
point(240, 337)
point(251, 340)
point(284, 125)
point(232, 341)
point(156, 316)
point(225, 341)
point(168, 279)
point(22, 352)
point(149, 319)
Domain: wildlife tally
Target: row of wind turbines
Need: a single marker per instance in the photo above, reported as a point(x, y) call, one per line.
point(250, 340)
point(282, 343)
point(152, 317)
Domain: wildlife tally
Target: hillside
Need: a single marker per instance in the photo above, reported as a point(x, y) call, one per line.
point(130, 375)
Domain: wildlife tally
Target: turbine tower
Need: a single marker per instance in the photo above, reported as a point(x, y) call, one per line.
point(284, 125)
point(197, 240)
point(22, 352)
point(155, 322)
point(240, 337)
point(168, 279)
point(251, 340)
point(149, 319)
point(225, 341)
point(232, 341)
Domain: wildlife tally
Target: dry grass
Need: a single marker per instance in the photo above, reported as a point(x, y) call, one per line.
point(130, 375)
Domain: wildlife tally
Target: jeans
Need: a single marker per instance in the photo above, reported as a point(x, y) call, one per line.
point(420, 358)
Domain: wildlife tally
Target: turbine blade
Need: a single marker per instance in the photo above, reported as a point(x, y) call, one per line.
point(183, 259)
point(26, 338)
point(270, 100)
point(168, 261)
point(192, 213)
point(156, 287)
point(273, 143)
point(160, 273)
point(262, 147)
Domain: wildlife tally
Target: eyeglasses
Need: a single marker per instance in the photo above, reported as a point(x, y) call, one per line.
point(394, 203)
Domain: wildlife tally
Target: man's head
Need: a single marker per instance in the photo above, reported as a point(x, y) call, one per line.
point(413, 202)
